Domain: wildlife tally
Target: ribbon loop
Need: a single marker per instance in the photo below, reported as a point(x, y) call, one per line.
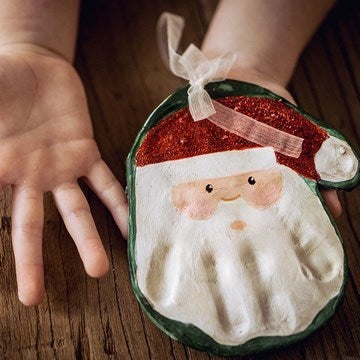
point(192, 65)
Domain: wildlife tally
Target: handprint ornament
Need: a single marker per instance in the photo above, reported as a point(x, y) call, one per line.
point(231, 247)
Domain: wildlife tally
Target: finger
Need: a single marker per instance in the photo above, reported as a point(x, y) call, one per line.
point(27, 227)
point(332, 202)
point(75, 211)
point(110, 192)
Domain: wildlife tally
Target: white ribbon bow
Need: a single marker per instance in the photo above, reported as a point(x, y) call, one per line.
point(192, 65)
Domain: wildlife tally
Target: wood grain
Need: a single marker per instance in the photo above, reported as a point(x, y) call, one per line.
point(118, 61)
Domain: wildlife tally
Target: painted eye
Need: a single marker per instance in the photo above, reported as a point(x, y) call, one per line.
point(209, 188)
point(251, 180)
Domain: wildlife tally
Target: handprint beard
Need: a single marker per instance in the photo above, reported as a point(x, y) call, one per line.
point(244, 262)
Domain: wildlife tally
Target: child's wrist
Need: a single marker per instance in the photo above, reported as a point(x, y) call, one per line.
point(254, 70)
point(256, 77)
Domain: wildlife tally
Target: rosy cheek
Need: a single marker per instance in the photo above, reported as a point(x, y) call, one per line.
point(265, 192)
point(199, 209)
point(193, 202)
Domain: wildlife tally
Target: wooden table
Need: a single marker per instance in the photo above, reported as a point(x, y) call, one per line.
point(118, 60)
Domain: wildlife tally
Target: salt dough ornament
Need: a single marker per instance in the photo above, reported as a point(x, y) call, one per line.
point(231, 247)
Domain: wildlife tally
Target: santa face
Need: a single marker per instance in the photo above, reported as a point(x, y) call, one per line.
point(199, 199)
point(247, 252)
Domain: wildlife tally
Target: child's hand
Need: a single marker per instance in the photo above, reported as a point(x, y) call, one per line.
point(46, 144)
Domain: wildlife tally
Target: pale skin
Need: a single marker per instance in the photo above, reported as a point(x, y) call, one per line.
point(46, 135)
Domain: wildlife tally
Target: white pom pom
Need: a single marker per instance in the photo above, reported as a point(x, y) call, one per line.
point(335, 160)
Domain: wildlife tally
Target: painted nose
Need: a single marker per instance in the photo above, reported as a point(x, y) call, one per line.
point(238, 225)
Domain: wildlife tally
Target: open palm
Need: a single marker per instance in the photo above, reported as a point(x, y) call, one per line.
point(46, 144)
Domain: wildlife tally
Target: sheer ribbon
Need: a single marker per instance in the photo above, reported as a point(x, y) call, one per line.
point(193, 66)
point(256, 131)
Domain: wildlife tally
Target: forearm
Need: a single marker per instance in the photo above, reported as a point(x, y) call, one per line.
point(48, 24)
point(268, 36)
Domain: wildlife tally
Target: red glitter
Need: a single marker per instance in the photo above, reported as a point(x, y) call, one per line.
point(178, 136)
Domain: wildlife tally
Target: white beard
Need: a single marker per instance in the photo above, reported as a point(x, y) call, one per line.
point(270, 279)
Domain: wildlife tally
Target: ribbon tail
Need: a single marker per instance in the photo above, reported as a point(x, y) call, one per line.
point(256, 131)
point(169, 31)
point(200, 103)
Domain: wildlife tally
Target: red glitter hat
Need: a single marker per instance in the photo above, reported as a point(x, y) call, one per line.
point(178, 136)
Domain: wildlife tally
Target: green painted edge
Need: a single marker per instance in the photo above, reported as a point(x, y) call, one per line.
point(187, 333)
